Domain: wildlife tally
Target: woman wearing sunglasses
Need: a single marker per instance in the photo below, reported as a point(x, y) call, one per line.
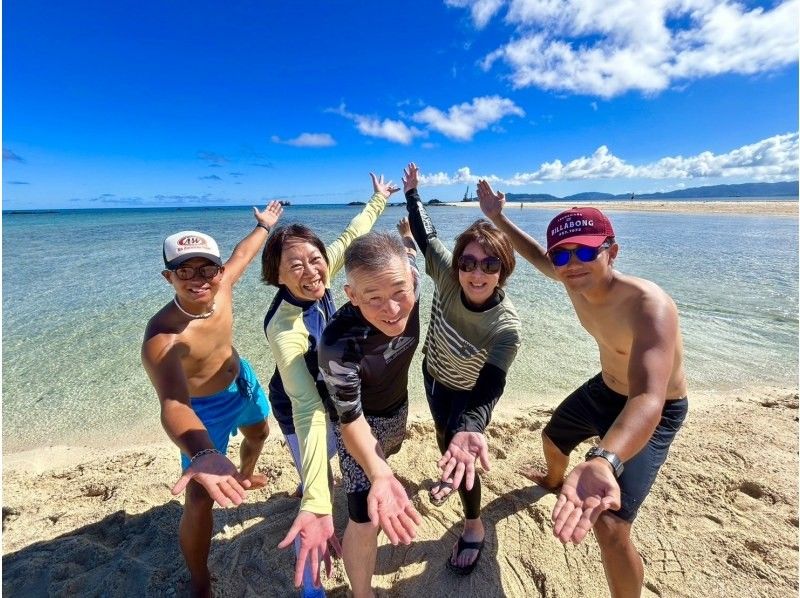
point(297, 262)
point(472, 339)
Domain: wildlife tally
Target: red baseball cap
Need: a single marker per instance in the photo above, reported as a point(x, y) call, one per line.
point(582, 226)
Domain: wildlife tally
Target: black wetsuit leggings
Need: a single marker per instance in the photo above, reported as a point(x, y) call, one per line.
point(447, 405)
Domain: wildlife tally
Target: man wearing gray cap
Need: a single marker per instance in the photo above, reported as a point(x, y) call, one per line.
point(206, 390)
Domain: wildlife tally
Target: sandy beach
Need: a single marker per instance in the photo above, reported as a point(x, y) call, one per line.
point(720, 521)
point(764, 208)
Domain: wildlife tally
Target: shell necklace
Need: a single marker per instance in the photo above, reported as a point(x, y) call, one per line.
point(202, 316)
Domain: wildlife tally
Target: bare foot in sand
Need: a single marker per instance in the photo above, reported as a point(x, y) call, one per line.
point(539, 477)
point(258, 481)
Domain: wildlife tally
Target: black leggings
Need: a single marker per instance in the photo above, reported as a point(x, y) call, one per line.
point(446, 405)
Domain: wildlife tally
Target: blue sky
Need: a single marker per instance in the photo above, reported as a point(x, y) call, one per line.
point(120, 104)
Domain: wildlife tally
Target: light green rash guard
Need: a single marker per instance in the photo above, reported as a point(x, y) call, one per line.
point(292, 344)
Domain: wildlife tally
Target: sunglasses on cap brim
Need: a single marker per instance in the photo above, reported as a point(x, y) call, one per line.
point(560, 257)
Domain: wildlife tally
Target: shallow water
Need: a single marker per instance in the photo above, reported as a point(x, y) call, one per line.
point(79, 287)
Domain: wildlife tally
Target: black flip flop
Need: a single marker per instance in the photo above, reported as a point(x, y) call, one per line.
point(438, 502)
point(462, 546)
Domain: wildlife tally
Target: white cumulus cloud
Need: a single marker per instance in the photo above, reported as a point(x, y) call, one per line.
point(462, 121)
point(392, 130)
point(769, 160)
point(609, 48)
point(481, 10)
point(307, 140)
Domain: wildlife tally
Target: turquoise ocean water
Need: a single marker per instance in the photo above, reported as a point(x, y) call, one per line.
point(79, 287)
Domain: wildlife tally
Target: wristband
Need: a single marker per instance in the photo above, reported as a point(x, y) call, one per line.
point(199, 454)
point(264, 226)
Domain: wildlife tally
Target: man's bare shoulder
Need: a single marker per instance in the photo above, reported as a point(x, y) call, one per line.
point(162, 332)
point(642, 291)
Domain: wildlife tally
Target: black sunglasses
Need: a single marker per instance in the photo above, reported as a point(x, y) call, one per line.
point(488, 265)
point(187, 272)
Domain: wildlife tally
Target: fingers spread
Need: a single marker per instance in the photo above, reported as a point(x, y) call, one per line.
point(335, 544)
point(290, 535)
point(458, 476)
point(180, 486)
point(413, 514)
point(387, 525)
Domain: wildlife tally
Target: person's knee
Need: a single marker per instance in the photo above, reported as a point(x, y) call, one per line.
point(257, 432)
point(612, 532)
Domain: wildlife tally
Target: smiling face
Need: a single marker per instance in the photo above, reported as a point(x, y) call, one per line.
point(385, 298)
point(303, 270)
point(478, 286)
point(196, 291)
point(581, 277)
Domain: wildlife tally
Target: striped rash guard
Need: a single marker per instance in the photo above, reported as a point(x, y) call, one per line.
point(465, 349)
point(296, 391)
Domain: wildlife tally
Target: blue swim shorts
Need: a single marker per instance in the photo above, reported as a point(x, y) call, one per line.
point(243, 403)
point(590, 411)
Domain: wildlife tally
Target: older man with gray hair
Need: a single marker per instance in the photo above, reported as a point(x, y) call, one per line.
point(364, 356)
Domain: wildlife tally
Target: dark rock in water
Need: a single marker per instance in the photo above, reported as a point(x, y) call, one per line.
point(357, 203)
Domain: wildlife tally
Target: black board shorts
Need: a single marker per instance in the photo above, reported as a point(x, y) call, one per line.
point(590, 411)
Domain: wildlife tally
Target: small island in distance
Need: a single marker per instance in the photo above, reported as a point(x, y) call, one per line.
point(786, 189)
point(743, 190)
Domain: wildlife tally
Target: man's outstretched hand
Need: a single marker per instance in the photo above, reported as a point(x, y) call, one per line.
point(219, 476)
point(588, 490)
point(390, 508)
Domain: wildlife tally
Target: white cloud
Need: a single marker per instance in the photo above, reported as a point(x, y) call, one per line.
point(770, 160)
point(482, 10)
point(307, 140)
point(463, 120)
point(392, 130)
point(609, 48)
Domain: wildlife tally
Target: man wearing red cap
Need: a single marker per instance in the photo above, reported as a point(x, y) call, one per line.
point(636, 403)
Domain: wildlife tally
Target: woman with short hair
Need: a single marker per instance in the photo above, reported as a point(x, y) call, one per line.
point(297, 262)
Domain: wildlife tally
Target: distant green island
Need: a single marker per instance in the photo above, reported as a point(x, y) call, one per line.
point(762, 190)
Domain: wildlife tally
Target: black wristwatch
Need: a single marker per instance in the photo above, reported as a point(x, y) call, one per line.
point(612, 458)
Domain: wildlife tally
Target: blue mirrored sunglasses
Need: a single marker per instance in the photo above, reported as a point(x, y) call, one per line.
point(561, 257)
